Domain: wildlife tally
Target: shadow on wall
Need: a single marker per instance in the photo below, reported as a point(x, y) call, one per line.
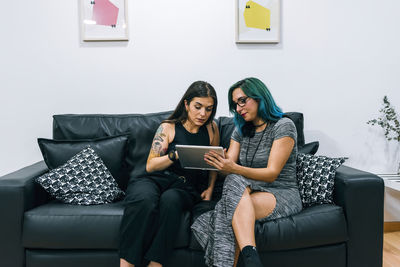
point(327, 146)
point(368, 150)
point(387, 153)
point(374, 153)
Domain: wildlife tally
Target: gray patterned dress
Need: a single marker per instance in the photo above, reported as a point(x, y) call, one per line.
point(213, 229)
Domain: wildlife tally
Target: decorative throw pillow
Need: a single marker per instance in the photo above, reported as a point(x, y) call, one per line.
point(315, 178)
point(83, 180)
point(111, 149)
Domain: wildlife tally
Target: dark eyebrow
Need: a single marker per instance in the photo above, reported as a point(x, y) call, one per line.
point(202, 104)
point(239, 98)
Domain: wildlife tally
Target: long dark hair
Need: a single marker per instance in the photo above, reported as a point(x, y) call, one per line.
point(196, 89)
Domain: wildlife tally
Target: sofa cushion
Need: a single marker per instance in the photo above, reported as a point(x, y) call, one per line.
point(226, 126)
point(320, 256)
point(298, 121)
point(62, 226)
point(316, 177)
point(82, 180)
point(309, 148)
point(112, 150)
point(315, 226)
point(71, 258)
point(139, 127)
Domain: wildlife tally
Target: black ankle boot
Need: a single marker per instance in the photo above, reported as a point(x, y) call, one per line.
point(250, 257)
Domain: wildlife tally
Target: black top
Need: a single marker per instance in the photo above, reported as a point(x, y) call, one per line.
point(197, 178)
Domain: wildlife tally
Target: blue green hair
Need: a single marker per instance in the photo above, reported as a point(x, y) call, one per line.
point(268, 110)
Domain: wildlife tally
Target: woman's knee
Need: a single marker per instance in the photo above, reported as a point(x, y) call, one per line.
point(143, 193)
point(171, 199)
point(141, 200)
point(264, 203)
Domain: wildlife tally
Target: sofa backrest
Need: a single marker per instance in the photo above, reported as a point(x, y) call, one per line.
point(141, 129)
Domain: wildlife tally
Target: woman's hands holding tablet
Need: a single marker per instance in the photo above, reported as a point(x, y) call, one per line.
point(220, 162)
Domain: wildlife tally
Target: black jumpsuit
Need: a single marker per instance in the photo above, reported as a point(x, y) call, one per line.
point(154, 204)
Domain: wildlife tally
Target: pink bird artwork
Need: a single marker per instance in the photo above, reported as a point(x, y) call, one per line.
point(105, 13)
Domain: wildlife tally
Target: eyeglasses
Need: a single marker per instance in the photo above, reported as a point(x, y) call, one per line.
point(241, 102)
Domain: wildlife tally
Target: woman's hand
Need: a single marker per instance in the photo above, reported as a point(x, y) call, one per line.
point(207, 194)
point(218, 161)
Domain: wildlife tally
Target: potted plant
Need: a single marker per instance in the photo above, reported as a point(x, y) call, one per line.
point(389, 122)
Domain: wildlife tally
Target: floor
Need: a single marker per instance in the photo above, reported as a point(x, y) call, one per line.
point(391, 249)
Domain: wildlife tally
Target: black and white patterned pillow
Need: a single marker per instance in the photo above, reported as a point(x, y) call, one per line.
point(82, 180)
point(315, 178)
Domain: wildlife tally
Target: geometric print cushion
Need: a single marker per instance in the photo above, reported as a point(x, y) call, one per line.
point(82, 180)
point(315, 178)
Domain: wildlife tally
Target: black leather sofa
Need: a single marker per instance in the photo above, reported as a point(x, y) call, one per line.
point(36, 231)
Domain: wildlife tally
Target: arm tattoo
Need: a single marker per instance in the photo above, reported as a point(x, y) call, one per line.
point(157, 146)
point(158, 138)
point(157, 149)
point(160, 131)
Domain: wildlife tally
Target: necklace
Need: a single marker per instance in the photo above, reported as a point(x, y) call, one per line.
point(247, 150)
point(256, 126)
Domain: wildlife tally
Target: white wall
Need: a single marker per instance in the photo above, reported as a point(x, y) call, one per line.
point(335, 62)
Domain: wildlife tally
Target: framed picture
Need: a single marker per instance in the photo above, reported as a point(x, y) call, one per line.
point(257, 21)
point(104, 20)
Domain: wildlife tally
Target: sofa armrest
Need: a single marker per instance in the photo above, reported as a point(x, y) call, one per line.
point(18, 193)
point(361, 195)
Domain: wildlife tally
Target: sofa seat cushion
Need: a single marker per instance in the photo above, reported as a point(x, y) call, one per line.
point(61, 226)
point(315, 226)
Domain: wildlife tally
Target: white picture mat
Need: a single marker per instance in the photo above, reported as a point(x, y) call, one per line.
point(93, 32)
point(251, 35)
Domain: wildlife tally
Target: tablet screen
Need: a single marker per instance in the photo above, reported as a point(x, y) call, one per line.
point(192, 157)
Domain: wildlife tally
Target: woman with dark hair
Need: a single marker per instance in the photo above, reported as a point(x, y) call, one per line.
point(155, 201)
point(261, 181)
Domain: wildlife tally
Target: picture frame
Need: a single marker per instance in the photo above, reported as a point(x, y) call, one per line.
point(104, 20)
point(258, 21)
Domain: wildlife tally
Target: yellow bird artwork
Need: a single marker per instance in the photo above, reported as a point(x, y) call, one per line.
point(257, 16)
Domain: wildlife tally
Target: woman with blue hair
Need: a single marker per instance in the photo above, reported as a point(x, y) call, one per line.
point(261, 181)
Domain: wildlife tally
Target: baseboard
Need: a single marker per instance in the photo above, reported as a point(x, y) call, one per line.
point(391, 227)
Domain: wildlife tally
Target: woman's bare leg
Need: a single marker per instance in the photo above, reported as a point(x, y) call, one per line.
point(124, 263)
point(250, 208)
point(264, 203)
point(154, 264)
point(243, 221)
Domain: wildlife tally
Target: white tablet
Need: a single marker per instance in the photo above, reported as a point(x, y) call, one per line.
point(192, 157)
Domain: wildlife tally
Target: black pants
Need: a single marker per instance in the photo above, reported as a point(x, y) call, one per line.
point(152, 217)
